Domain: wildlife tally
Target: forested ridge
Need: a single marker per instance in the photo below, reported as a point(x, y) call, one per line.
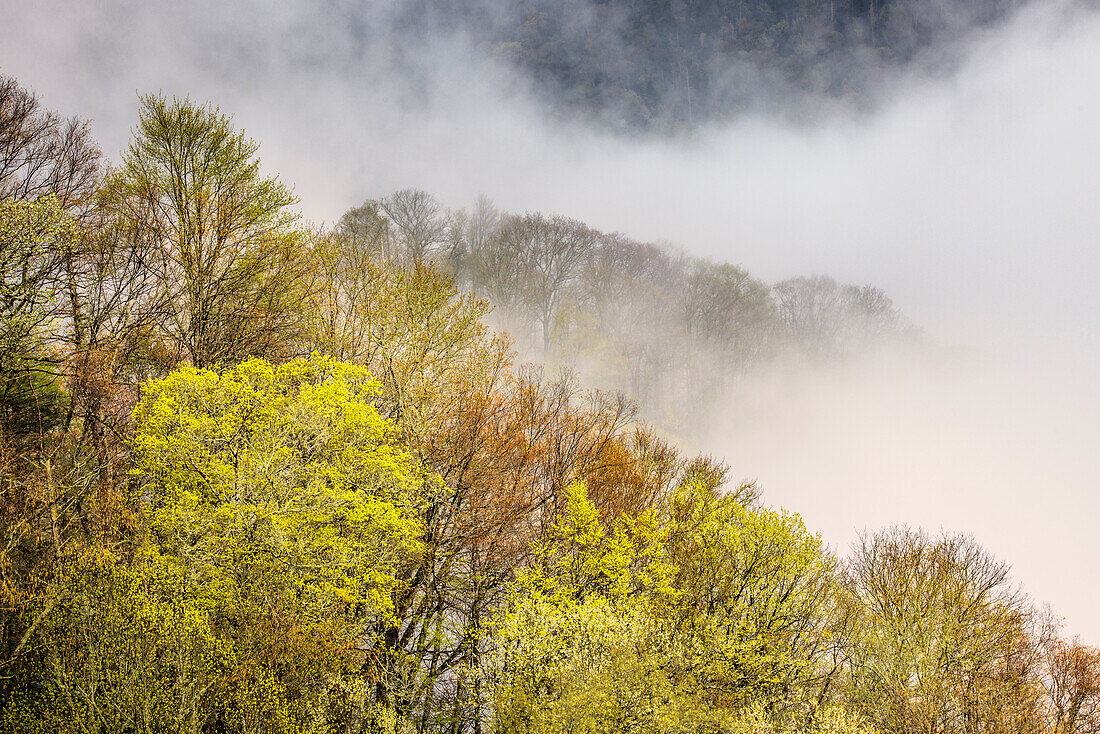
point(257, 475)
point(669, 330)
point(671, 65)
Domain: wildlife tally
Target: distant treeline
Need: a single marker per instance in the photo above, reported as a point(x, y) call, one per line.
point(666, 65)
point(670, 330)
point(257, 477)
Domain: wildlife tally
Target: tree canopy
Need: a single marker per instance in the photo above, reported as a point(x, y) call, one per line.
point(260, 477)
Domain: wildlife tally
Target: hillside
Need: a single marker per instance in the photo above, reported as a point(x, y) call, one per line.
point(667, 65)
point(262, 476)
point(668, 330)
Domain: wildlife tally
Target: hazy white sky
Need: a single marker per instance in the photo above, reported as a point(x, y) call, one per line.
point(973, 200)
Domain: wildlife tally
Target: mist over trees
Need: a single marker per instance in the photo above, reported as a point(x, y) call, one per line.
point(664, 328)
point(261, 476)
point(670, 65)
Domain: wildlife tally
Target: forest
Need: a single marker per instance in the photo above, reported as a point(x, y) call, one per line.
point(426, 471)
point(669, 66)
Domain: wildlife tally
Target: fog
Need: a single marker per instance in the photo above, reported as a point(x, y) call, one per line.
point(971, 198)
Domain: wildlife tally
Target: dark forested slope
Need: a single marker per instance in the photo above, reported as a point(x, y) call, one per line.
point(669, 64)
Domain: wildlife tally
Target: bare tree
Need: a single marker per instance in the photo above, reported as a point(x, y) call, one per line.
point(42, 153)
point(419, 222)
point(724, 307)
point(49, 169)
point(938, 619)
point(1070, 679)
point(828, 318)
point(811, 310)
point(469, 233)
point(367, 228)
point(483, 222)
point(545, 257)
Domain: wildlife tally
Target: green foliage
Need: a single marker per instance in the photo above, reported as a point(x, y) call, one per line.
point(583, 557)
point(759, 718)
point(132, 648)
point(222, 238)
point(580, 646)
point(277, 512)
point(32, 234)
point(755, 597)
point(606, 634)
point(281, 477)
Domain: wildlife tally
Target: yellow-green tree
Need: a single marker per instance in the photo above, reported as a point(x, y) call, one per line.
point(755, 606)
point(713, 618)
point(276, 511)
point(604, 633)
point(224, 241)
point(581, 646)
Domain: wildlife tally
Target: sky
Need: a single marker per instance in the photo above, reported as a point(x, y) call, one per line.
point(972, 198)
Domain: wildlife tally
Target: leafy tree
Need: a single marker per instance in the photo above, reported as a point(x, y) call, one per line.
point(304, 443)
point(277, 513)
point(229, 252)
point(591, 639)
point(579, 646)
point(755, 604)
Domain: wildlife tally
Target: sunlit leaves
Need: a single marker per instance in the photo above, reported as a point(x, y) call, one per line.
point(277, 509)
point(285, 471)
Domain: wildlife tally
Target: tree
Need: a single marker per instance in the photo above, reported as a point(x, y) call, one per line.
point(406, 322)
point(1070, 676)
point(591, 638)
point(49, 169)
point(632, 289)
point(829, 318)
point(41, 153)
point(479, 225)
point(278, 512)
point(722, 306)
point(812, 311)
point(367, 227)
point(483, 222)
point(498, 273)
point(579, 646)
point(754, 608)
point(936, 620)
point(32, 233)
point(418, 221)
point(229, 250)
point(529, 264)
